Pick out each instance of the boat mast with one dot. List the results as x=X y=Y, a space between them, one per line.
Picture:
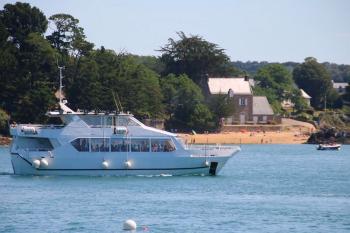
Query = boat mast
x=61 y=86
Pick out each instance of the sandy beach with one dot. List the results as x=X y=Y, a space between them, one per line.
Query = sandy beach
x=293 y=132
x=247 y=138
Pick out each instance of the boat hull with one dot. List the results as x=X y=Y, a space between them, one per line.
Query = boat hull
x=328 y=147
x=186 y=166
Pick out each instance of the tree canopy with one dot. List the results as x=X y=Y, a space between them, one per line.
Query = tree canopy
x=27 y=63
x=315 y=80
x=20 y=19
x=195 y=57
x=184 y=103
x=276 y=83
x=169 y=87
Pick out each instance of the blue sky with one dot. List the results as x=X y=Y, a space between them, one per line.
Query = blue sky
x=255 y=30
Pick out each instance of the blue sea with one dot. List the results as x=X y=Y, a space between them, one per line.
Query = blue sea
x=264 y=188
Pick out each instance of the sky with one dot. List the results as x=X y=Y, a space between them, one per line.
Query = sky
x=248 y=30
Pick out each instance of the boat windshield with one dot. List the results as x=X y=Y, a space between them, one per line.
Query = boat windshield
x=108 y=121
x=181 y=141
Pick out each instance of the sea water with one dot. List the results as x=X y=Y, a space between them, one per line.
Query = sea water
x=264 y=188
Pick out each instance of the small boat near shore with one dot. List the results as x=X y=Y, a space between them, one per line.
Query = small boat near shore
x=329 y=146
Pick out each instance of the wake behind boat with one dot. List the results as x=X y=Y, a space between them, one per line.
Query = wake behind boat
x=108 y=144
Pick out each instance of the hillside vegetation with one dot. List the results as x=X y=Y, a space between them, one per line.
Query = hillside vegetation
x=170 y=87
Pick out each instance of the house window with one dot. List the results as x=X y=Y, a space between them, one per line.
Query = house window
x=243 y=101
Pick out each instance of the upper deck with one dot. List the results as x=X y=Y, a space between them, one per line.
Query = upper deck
x=88 y=124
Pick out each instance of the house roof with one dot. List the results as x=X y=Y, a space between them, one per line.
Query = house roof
x=223 y=85
x=340 y=85
x=261 y=106
x=304 y=94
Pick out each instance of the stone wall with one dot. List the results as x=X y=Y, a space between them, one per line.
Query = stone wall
x=251 y=128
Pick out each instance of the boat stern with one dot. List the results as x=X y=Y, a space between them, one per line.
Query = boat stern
x=215 y=156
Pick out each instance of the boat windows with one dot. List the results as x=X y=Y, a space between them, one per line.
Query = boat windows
x=162 y=145
x=99 y=144
x=125 y=121
x=81 y=144
x=121 y=130
x=98 y=121
x=119 y=145
x=139 y=145
x=34 y=144
x=123 y=145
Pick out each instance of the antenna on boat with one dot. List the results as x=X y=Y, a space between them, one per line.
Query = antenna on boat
x=115 y=101
x=120 y=104
x=61 y=86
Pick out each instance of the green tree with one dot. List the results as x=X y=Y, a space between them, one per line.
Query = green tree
x=68 y=37
x=346 y=96
x=4 y=117
x=185 y=104
x=315 y=80
x=201 y=118
x=8 y=68
x=104 y=75
x=83 y=89
x=20 y=19
x=35 y=80
x=27 y=63
x=221 y=106
x=275 y=76
x=195 y=57
x=275 y=82
x=151 y=62
x=70 y=40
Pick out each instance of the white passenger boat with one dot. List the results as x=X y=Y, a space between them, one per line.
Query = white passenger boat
x=108 y=144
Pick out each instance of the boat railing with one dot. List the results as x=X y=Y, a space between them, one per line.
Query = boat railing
x=208 y=147
x=37 y=126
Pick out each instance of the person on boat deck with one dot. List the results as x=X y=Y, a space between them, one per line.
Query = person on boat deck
x=144 y=146
x=124 y=146
x=166 y=148
x=84 y=144
x=95 y=147
x=154 y=147
x=160 y=147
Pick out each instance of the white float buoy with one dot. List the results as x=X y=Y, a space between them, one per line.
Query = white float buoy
x=206 y=163
x=36 y=163
x=129 y=225
x=45 y=162
x=127 y=164
x=105 y=164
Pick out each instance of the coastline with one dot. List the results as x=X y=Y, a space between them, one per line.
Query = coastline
x=247 y=138
x=291 y=132
x=5 y=141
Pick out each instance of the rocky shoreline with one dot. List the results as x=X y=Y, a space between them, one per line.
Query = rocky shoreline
x=327 y=135
x=5 y=141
